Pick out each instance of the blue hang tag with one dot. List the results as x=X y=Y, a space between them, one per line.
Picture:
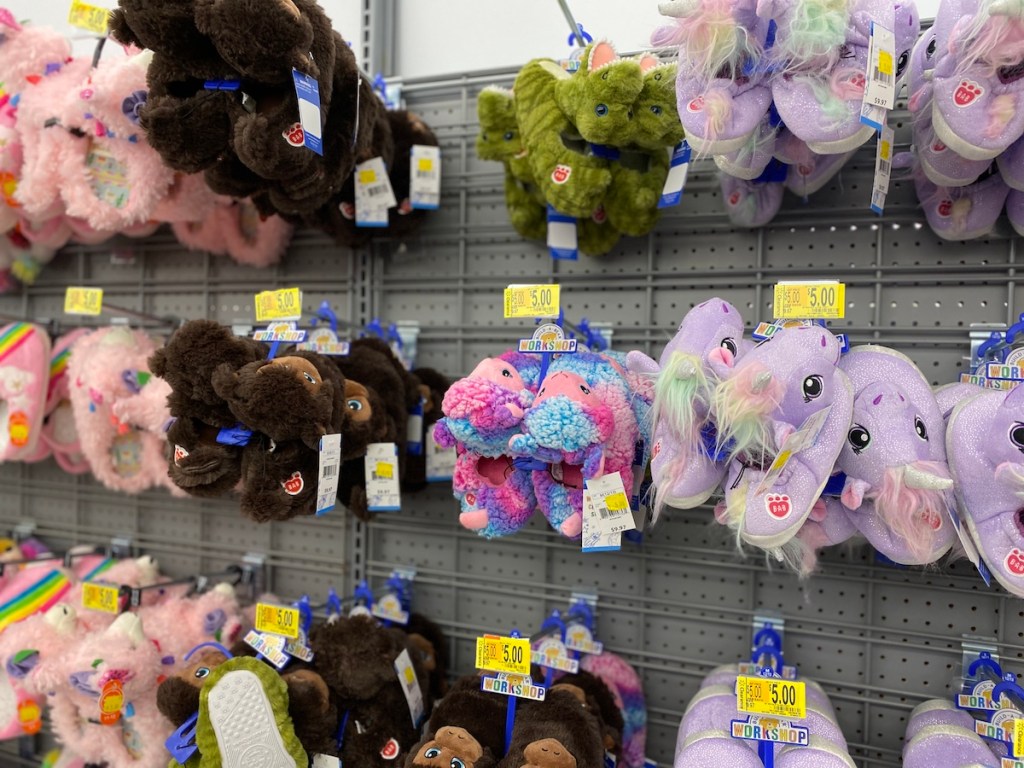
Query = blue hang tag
x=236 y=435
x=562 y=242
x=307 y=90
x=675 y=182
x=414 y=435
x=182 y=743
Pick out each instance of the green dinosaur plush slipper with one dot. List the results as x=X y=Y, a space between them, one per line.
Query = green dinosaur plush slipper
x=244 y=720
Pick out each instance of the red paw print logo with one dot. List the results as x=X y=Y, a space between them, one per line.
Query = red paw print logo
x=561 y=174
x=600 y=217
x=390 y=750
x=857 y=80
x=405 y=208
x=938 y=146
x=734 y=198
x=945 y=208
x=1015 y=562
x=966 y=93
x=656 y=450
x=778 y=505
x=295 y=135
x=179 y=454
x=696 y=105
x=293 y=485
x=805 y=170
x=347 y=210
x=932 y=519
x=471 y=499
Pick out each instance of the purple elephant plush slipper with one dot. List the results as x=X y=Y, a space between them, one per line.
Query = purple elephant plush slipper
x=714 y=749
x=751 y=204
x=947 y=745
x=1015 y=210
x=962 y=213
x=936 y=712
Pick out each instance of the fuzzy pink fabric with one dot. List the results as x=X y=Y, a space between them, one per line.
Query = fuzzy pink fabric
x=180 y=625
x=233 y=228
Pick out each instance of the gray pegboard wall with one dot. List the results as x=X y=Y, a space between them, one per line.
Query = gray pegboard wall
x=881 y=639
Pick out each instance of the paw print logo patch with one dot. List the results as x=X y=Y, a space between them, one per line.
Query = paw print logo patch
x=561 y=174
x=967 y=93
x=778 y=505
x=294 y=135
x=695 y=105
x=1014 y=562
x=945 y=208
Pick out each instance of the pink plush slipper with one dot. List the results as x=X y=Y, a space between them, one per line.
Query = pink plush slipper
x=234 y=228
x=59 y=432
x=106 y=366
x=24 y=377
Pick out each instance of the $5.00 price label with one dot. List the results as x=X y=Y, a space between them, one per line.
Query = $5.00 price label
x=101 y=597
x=83 y=301
x=88 y=17
x=768 y=696
x=503 y=654
x=532 y=301
x=799 y=301
x=277 y=620
x=285 y=304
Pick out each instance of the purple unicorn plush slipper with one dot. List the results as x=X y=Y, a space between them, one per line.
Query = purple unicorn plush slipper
x=750 y=160
x=708 y=340
x=962 y=213
x=1011 y=165
x=819 y=753
x=936 y=712
x=751 y=204
x=985 y=447
x=721 y=116
x=1015 y=210
x=949 y=745
x=897 y=478
x=713 y=749
x=978 y=79
x=788 y=386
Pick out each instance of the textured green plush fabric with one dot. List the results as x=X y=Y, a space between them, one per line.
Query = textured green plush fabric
x=572 y=181
x=639 y=177
x=499 y=139
x=595 y=235
x=276 y=691
x=599 y=97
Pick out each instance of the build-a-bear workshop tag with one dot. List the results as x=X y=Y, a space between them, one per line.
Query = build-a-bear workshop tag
x=578 y=637
x=284 y=304
x=91 y=18
x=324 y=341
x=523 y=301
x=771 y=696
x=327 y=478
x=271 y=647
x=381 y=468
x=425 y=186
x=83 y=301
x=548 y=338
x=760 y=728
x=810 y=300
x=503 y=654
x=281 y=330
x=101 y=597
x=550 y=653
x=520 y=686
x=307 y=92
x=277 y=620
x=389 y=608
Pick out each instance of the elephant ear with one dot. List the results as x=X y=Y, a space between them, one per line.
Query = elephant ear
x=853 y=493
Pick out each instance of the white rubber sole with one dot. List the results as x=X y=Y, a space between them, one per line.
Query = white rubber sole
x=245 y=725
x=941 y=180
x=958 y=145
x=842 y=146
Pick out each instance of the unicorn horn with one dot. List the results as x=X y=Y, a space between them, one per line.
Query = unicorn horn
x=761 y=382
x=1012 y=8
x=678 y=8
x=925 y=481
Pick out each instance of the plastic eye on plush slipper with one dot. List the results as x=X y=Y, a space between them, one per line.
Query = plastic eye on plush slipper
x=24 y=378
x=105 y=367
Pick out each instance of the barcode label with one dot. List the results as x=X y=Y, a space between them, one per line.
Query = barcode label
x=425 y=189
x=374 y=195
x=327 y=481
x=882 y=77
x=424 y=174
x=330 y=471
x=884 y=166
x=374 y=191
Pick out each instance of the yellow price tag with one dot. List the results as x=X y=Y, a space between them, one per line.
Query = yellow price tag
x=532 y=301
x=83 y=301
x=885 y=150
x=89 y=17
x=101 y=597
x=426 y=164
x=503 y=654
x=825 y=301
x=1018 y=737
x=367 y=176
x=771 y=696
x=616 y=502
x=385 y=470
x=885 y=62
x=285 y=304
x=277 y=620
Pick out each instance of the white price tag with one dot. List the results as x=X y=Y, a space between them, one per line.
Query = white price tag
x=606 y=513
x=562 y=236
x=327 y=478
x=881 y=74
x=797 y=441
x=440 y=461
x=414 y=430
x=675 y=182
x=883 y=169
x=374 y=195
x=410 y=687
x=382 y=491
x=425 y=178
